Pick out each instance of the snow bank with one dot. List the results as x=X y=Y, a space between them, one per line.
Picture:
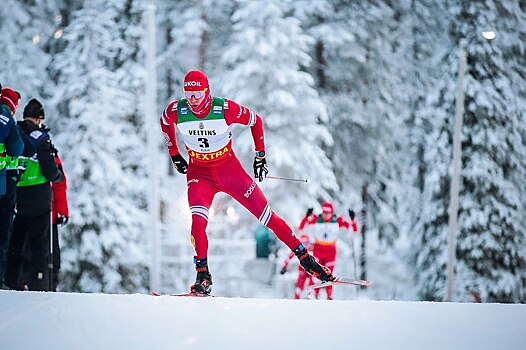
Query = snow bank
x=33 y=320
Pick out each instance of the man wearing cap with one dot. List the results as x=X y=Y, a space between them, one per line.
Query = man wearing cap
x=324 y=229
x=34 y=196
x=205 y=123
x=11 y=146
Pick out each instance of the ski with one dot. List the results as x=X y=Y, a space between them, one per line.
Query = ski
x=342 y=280
x=196 y=295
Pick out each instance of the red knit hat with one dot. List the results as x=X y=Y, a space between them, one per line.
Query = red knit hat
x=10 y=98
x=197 y=81
x=327 y=207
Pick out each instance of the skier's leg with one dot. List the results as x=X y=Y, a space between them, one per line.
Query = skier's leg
x=326 y=255
x=200 y=196
x=311 y=282
x=241 y=187
x=330 y=262
x=300 y=283
x=235 y=181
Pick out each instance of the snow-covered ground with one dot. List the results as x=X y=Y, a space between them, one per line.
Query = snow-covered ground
x=36 y=320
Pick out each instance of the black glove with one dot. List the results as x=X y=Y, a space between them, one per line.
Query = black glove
x=283 y=270
x=260 y=167
x=309 y=212
x=180 y=163
x=59 y=178
x=62 y=220
x=351 y=214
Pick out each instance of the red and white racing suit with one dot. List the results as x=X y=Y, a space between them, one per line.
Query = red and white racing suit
x=213 y=167
x=325 y=234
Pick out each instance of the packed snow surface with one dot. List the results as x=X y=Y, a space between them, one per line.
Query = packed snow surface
x=37 y=320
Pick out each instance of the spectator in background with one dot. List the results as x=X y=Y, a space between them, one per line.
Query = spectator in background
x=59 y=216
x=11 y=146
x=34 y=195
x=265 y=242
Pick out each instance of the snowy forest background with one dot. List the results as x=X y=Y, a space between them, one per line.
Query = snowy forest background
x=357 y=96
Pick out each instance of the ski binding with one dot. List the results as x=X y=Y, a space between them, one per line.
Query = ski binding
x=342 y=280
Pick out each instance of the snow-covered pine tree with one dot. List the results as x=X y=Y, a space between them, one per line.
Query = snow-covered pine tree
x=98 y=96
x=180 y=26
x=189 y=36
x=26 y=27
x=357 y=75
x=264 y=71
x=490 y=237
x=429 y=22
x=360 y=89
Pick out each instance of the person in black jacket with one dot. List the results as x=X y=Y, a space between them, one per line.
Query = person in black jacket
x=34 y=195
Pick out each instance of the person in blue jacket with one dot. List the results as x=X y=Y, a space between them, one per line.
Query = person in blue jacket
x=11 y=146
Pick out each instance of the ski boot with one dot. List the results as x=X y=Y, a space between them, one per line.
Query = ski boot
x=203 y=281
x=311 y=266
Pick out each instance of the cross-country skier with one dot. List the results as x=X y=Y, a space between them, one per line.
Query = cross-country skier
x=303 y=277
x=205 y=123
x=324 y=229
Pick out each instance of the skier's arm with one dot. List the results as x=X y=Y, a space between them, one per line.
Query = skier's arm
x=168 y=123
x=235 y=113
x=285 y=265
x=308 y=220
x=354 y=224
x=342 y=223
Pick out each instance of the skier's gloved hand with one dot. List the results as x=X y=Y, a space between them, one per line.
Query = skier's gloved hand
x=180 y=163
x=59 y=178
x=354 y=225
x=62 y=220
x=284 y=268
x=309 y=212
x=260 y=166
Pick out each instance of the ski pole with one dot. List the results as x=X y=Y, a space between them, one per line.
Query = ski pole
x=50 y=264
x=286 y=178
x=352 y=215
x=353 y=256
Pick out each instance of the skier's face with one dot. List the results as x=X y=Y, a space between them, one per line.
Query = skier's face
x=36 y=121
x=326 y=215
x=195 y=97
